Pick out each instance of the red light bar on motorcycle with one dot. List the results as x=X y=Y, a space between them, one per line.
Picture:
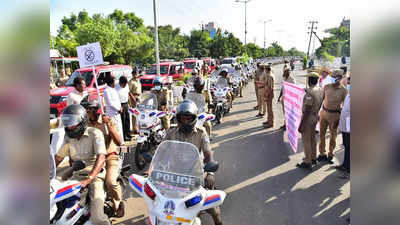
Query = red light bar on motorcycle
x=149 y=192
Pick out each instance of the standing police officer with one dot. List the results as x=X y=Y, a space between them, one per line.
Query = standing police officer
x=311 y=104
x=135 y=89
x=257 y=75
x=268 y=79
x=334 y=95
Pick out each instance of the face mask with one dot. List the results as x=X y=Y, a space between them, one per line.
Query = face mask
x=348 y=87
x=158 y=88
x=186 y=128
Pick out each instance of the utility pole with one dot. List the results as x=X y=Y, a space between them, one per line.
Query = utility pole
x=311 y=33
x=245 y=18
x=264 y=21
x=156 y=39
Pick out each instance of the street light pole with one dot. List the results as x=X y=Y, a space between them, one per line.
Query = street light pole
x=245 y=19
x=156 y=39
x=264 y=21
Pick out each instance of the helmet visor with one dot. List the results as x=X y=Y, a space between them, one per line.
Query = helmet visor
x=70 y=119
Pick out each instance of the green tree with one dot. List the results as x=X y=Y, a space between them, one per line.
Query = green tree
x=102 y=31
x=83 y=17
x=172 y=45
x=70 y=22
x=219 y=45
x=337 y=44
x=253 y=50
x=277 y=49
x=199 y=43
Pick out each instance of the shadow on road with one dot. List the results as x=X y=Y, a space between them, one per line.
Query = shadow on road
x=130 y=222
x=278 y=201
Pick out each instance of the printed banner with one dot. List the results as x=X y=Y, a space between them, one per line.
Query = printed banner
x=293 y=97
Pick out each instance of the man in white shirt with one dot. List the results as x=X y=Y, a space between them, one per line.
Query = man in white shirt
x=113 y=103
x=123 y=92
x=79 y=93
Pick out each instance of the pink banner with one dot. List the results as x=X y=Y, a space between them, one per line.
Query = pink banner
x=293 y=98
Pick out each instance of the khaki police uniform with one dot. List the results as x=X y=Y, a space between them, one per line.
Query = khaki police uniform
x=200 y=139
x=262 y=104
x=87 y=148
x=257 y=75
x=229 y=96
x=330 y=115
x=112 y=163
x=135 y=88
x=267 y=94
x=208 y=98
x=205 y=69
x=313 y=101
x=162 y=100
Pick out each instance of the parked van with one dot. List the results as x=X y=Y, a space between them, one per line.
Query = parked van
x=59 y=95
x=167 y=69
x=191 y=63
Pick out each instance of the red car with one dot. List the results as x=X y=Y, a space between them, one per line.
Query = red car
x=167 y=69
x=59 y=95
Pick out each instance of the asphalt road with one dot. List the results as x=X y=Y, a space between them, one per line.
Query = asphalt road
x=258 y=173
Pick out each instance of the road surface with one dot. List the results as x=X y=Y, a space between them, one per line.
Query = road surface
x=258 y=172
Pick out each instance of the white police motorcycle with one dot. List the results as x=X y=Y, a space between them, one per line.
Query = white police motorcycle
x=174 y=190
x=69 y=204
x=151 y=132
x=221 y=104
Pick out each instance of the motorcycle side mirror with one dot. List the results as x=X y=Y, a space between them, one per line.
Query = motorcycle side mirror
x=147 y=157
x=78 y=165
x=211 y=166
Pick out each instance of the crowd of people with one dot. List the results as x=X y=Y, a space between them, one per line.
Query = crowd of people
x=326 y=104
x=94 y=136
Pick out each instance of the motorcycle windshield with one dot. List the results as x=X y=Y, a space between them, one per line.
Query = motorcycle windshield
x=199 y=100
x=221 y=83
x=148 y=102
x=176 y=169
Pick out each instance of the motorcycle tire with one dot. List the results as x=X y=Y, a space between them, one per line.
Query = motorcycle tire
x=218 y=115
x=140 y=162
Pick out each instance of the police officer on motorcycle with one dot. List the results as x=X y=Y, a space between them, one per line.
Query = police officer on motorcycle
x=239 y=70
x=86 y=144
x=225 y=79
x=198 y=85
x=186 y=131
x=162 y=99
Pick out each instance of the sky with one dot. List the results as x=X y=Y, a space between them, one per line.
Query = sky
x=288 y=26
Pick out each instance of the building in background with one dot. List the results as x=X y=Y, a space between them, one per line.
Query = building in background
x=211 y=28
x=345 y=23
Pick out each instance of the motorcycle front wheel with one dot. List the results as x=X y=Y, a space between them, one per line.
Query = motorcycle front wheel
x=218 y=115
x=140 y=162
